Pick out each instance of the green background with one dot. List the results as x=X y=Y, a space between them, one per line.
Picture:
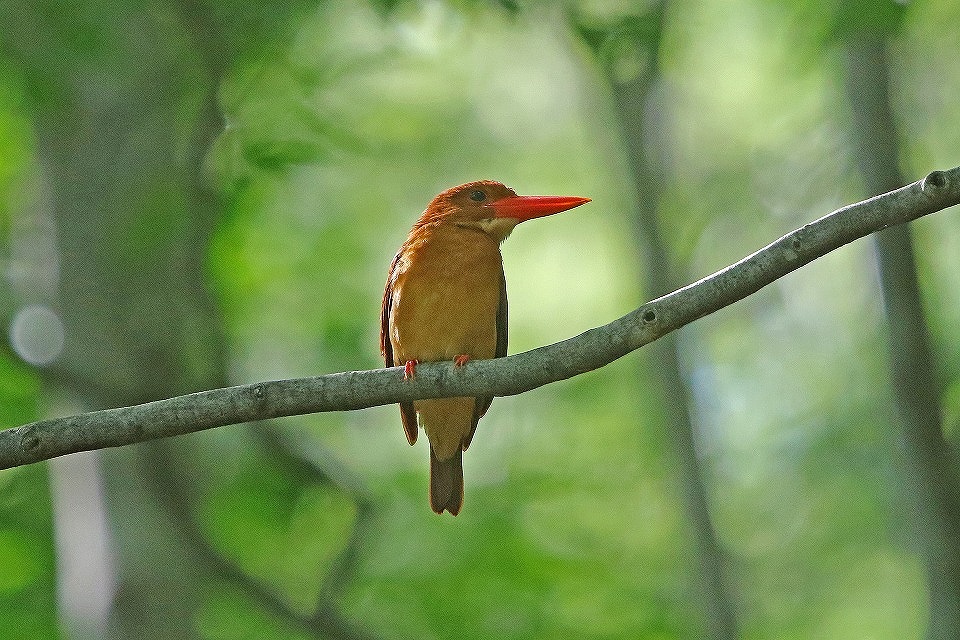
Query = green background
x=210 y=193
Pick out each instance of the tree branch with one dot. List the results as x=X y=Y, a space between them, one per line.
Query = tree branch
x=500 y=377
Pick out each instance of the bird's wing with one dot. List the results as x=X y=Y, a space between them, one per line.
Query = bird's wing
x=502 y=319
x=385 y=347
x=484 y=403
x=407 y=413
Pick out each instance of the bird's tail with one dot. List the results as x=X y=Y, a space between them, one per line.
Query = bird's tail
x=446 y=482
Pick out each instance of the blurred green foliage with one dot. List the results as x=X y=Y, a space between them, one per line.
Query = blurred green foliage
x=340 y=122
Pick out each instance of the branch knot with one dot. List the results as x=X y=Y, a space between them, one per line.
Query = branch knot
x=934 y=181
x=29 y=440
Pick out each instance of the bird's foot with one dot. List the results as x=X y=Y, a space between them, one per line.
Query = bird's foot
x=410 y=369
x=461 y=360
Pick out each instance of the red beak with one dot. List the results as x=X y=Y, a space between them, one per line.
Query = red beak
x=528 y=207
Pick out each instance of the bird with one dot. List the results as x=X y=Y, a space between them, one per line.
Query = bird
x=446 y=300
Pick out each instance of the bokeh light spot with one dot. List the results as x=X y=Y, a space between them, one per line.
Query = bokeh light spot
x=36 y=334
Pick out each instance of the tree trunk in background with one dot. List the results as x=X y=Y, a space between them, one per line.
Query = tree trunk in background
x=916 y=389
x=123 y=177
x=132 y=230
x=661 y=275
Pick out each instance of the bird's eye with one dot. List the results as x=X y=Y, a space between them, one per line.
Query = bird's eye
x=478 y=196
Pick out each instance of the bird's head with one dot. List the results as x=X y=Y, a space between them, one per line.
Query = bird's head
x=492 y=208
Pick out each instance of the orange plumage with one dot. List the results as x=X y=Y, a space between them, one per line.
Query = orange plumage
x=446 y=299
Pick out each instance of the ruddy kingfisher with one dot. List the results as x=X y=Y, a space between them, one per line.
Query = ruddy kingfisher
x=446 y=300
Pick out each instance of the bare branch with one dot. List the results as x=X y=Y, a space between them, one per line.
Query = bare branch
x=500 y=377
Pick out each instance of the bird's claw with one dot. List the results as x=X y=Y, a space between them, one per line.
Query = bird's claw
x=410 y=369
x=461 y=360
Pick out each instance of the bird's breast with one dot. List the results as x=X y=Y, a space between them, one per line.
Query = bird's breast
x=446 y=293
